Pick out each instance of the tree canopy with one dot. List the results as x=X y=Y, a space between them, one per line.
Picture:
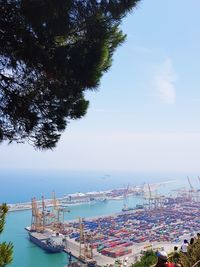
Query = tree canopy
x=6 y=249
x=51 y=52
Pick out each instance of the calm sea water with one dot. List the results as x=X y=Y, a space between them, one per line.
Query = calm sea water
x=21 y=186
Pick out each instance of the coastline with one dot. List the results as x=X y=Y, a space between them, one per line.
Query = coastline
x=15 y=232
x=76 y=199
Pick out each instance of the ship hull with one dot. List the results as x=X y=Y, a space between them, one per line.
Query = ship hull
x=44 y=245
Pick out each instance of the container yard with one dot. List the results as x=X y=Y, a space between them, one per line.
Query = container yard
x=163 y=222
x=124 y=234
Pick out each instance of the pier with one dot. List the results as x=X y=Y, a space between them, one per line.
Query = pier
x=125 y=235
x=81 y=198
x=128 y=234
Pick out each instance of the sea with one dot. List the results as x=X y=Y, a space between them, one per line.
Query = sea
x=21 y=186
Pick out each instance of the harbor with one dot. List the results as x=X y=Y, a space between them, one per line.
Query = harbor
x=79 y=198
x=161 y=223
x=128 y=234
x=99 y=133
x=83 y=198
x=33 y=255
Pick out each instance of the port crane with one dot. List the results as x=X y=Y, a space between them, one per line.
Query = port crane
x=81 y=241
x=149 y=197
x=42 y=218
x=37 y=221
x=155 y=201
x=182 y=193
x=199 y=181
x=193 y=193
x=58 y=210
x=126 y=190
x=85 y=246
x=191 y=186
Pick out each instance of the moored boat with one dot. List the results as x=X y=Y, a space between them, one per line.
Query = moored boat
x=52 y=243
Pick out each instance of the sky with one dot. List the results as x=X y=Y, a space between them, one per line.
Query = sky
x=145 y=115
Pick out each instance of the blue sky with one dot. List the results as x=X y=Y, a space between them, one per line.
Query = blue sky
x=145 y=115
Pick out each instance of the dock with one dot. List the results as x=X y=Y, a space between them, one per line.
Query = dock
x=123 y=236
x=74 y=248
x=82 y=198
x=128 y=234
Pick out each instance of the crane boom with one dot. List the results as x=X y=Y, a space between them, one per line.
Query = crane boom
x=126 y=191
x=191 y=186
x=150 y=194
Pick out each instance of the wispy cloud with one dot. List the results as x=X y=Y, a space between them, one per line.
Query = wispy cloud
x=164 y=82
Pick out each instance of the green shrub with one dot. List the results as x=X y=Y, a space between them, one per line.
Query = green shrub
x=148 y=259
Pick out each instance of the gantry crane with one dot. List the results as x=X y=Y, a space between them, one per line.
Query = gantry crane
x=82 y=239
x=193 y=193
x=126 y=190
x=182 y=194
x=85 y=242
x=40 y=217
x=88 y=245
x=43 y=213
x=150 y=197
x=37 y=222
x=191 y=186
x=199 y=181
x=155 y=201
x=59 y=211
x=48 y=217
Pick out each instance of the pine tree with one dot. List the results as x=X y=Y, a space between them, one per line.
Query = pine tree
x=6 y=249
x=51 y=52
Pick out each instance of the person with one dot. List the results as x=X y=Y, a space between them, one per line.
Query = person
x=163 y=260
x=184 y=246
x=176 y=256
x=191 y=241
x=197 y=238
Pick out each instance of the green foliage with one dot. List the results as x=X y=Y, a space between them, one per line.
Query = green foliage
x=6 y=249
x=148 y=259
x=3 y=211
x=48 y=60
x=193 y=255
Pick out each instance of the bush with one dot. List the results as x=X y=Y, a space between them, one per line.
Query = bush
x=148 y=259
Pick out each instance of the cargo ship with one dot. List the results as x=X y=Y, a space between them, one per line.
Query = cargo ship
x=52 y=243
x=47 y=238
x=125 y=208
x=137 y=207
